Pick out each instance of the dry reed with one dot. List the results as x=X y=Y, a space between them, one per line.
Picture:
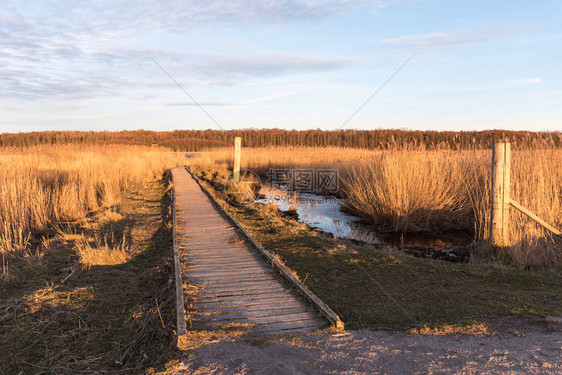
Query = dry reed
x=421 y=190
x=42 y=187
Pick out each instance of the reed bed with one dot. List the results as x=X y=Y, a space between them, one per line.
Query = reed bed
x=419 y=190
x=46 y=186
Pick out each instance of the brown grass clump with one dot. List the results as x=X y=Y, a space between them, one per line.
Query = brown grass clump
x=414 y=190
x=58 y=296
x=103 y=252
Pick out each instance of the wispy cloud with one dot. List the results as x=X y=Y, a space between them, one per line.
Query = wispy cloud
x=276 y=96
x=445 y=39
x=269 y=64
x=204 y=104
x=494 y=85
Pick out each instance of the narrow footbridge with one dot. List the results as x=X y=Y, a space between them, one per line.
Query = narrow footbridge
x=239 y=286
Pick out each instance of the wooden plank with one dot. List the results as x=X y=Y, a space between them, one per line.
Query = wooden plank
x=241 y=294
x=203 y=260
x=231 y=277
x=216 y=258
x=234 y=292
x=531 y=215
x=249 y=277
x=247 y=298
x=195 y=266
x=181 y=341
x=217 y=253
x=228 y=284
x=261 y=308
x=245 y=314
x=221 y=290
x=222 y=270
x=214 y=249
x=257 y=301
x=317 y=302
x=194 y=261
x=286 y=318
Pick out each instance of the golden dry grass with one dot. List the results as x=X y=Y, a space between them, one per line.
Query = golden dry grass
x=433 y=190
x=449 y=329
x=102 y=251
x=42 y=187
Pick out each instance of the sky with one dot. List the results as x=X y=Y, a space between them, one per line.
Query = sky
x=294 y=64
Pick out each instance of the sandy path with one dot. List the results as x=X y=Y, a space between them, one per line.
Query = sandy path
x=376 y=352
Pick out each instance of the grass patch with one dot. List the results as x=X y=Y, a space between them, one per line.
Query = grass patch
x=98 y=297
x=382 y=288
x=103 y=252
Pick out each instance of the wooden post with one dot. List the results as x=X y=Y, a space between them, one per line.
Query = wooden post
x=236 y=169
x=506 y=199
x=501 y=170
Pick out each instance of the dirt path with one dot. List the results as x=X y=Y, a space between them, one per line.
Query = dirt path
x=377 y=352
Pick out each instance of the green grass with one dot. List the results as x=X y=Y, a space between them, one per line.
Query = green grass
x=60 y=317
x=377 y=288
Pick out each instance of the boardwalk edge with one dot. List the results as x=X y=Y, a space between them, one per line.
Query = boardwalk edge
x=324 y=309
x=180 y=303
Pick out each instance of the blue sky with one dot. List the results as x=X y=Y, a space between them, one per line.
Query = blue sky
x=296 y=64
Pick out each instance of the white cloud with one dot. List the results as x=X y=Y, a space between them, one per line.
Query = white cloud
x=442 y=39
x=269 y=64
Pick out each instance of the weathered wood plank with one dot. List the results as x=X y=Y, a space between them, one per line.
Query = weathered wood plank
x=212 y=285
x=180 y=303
x=285 y=318
x=245 y=314
x=257 y=301
x=215 y=297
x=218 y=291
x=531 y=215
x=262 y=307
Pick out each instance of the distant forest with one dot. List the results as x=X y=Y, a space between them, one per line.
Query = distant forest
x=200 y=140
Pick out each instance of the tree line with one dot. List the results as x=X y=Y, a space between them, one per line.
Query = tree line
x=200 y=140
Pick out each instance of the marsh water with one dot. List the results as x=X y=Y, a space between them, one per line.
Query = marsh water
x=325 y=214
x=322 y=213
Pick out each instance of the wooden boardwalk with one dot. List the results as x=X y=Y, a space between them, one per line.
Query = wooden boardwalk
x=238 y=288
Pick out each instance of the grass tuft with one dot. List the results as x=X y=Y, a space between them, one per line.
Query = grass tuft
x=102 y=252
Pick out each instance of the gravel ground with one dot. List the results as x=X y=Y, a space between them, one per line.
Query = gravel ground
x=537 y=351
